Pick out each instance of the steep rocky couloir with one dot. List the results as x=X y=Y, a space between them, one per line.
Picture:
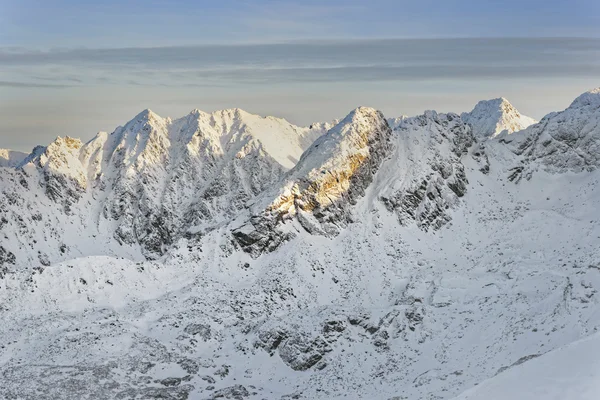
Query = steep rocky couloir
x=426 y=174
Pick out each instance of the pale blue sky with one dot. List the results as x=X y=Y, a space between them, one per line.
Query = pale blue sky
x=75 y=67
x=114 y=23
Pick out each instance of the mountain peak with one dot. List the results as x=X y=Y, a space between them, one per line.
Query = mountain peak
x=564 y=140
x=361 y=112
x=10 y=158
x=357 y=118
x=146 y=113
x=492 y=117
x=329 y=177
x=67 y=141
x=410 y=249
x=589 y=98
x=144 y=116
x=493 y=103
x=232 y=112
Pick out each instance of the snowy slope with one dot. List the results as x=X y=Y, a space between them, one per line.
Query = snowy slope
x=570 y=372
x=401 y=262
x=491 y=118
x=562 y=141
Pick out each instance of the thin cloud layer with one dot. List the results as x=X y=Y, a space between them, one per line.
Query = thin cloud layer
x=80 y=91
x=342 y=61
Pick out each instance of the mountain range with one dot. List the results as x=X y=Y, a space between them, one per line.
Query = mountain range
x=228 y=255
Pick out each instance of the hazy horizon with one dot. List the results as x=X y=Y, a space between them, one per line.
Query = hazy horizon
x=73 y=68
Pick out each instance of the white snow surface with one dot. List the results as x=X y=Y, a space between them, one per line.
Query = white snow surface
x=568 y=139
x=570 y=372
x=491 y=118
x=120 y=276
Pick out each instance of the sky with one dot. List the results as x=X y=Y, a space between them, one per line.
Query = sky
x=77 y=67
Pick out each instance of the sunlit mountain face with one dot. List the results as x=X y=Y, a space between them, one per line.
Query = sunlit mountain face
x=371 y=256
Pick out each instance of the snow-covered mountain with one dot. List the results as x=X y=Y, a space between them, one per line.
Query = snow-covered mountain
x=319 y=191
x=565 y=140
x=10 y=158
x=151 y=181
x=228 y=255
x=491 y=118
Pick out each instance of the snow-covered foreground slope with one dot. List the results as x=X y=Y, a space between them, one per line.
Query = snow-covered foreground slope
x=571 y=372
x=409 y=264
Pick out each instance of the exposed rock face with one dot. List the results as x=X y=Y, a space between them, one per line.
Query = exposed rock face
x=196 y=171
x=298 y=348
x=63 y=174
x=155 y=180
x=561 y=141
x=319 y=191
x=235 y=392
x=6 y=257
x=425 y=176
x=421 y=178
x=491 y=118
x=357 y=305
x=301 y=352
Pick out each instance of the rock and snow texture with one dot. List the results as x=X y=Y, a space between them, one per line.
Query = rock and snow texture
x=321 y=189
x=187 y=259
x=425 y=177
x=491 y=118
x=153 y=180
x=562 y=141
x=415 y=171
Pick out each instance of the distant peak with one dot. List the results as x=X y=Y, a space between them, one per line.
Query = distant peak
x=38 y=149
x=364 y=110
x=231 y=111
x=355 y=121
x=197 y=114
x=394 y=122
x=11 y=158
x=361 y=112
x=68 y=142
x=489 y=118
x=496 y=103
x=589 y=98
x=147 y=115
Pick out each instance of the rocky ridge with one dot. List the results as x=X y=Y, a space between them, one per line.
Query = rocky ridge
x=402 y=261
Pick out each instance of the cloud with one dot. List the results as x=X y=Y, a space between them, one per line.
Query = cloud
x=394 y=73
x=304 y=62
x=8 y=84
